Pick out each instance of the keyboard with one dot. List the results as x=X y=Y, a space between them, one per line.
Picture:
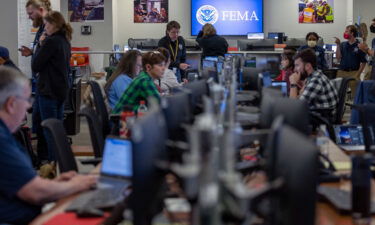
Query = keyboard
x=340 y=199
x=99 y=198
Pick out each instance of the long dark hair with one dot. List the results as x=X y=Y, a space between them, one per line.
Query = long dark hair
x=125 y=66
x=56 y=18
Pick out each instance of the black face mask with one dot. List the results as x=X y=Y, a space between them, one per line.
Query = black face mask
x=372 y=29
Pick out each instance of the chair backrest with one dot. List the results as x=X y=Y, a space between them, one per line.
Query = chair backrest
x=96 y=130
x=367 y=119
x=100 y=107
x=61 y=146
x=341 y=91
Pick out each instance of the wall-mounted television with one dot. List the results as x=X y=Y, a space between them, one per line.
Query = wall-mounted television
x=230 y=17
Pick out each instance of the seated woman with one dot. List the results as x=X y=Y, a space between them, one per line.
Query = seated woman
x=169 y=79
x=143 y=87
x=312 y=41
x=211 y=43
x=129 y=66
x=287 y=67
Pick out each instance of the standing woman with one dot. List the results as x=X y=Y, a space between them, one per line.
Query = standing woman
x=312 y=43
x=211 y=43
x=51 y=62
x=176 y=46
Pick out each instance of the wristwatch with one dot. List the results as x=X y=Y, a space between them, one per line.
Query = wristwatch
x=293 y=85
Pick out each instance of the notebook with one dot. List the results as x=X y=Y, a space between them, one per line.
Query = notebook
x=349 y=137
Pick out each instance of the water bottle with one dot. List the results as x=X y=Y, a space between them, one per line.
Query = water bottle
x=361 y=190
x=142 y=109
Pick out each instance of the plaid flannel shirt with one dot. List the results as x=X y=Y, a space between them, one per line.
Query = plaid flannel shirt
x=139 y=89
x=319 y=92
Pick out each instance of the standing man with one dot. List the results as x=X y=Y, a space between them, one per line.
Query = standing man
x=22 y=191
x=176 y=46
x=352 y=59
x=37 y=9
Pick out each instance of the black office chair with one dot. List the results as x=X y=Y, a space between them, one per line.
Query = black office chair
x=367 y=119
x=100 y=107
x=61 y=146
x=96 y=130
x=342 y=92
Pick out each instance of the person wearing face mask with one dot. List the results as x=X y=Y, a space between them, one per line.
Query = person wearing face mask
x=364 y=47
x=318 y=90
x=312 y=41
x=352 y=59
x=176 y=46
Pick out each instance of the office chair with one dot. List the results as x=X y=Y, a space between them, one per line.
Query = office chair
x=100 y=107
x=61 y=146
x=96 y=130
x=342 y=91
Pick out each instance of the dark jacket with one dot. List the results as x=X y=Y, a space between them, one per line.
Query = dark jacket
x=212 y=45
x=167 y=43
x=51 y=62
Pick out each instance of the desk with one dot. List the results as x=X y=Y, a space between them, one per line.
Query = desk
x=326 y=214
x=60 y=205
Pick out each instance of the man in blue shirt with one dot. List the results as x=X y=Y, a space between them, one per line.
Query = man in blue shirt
x=22 y=192
x=352 y=59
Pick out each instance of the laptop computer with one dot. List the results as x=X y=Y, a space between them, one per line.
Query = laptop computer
x=349 y=137
x=115 y=177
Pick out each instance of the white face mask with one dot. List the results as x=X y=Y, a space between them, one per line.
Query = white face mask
x=311 y=44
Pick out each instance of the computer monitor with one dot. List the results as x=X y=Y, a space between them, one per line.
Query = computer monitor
x=208 y=64
x=149 y=134
x=197 y=90
x=250 y=79
x=290 y=109
x=275 y=35
x=177 y=111
x=296 y=161
x=255 y=36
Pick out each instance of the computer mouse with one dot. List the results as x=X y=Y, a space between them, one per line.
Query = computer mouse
x=89 y=212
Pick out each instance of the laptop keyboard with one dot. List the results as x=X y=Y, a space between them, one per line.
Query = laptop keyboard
x=99 y=198
x=340 y=199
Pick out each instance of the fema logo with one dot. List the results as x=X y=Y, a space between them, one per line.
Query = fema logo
x=207 y=14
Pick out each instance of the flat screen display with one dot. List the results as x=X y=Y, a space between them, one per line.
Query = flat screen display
x=234 y=17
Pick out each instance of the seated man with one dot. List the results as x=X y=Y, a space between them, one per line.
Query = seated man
x=22 y=191
x=143 y=85
x=4 y=58
x=318 y=90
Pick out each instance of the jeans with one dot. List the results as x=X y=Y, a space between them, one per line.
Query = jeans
x=44 y=108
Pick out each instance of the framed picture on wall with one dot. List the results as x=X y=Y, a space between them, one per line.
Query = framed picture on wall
x=86 y=10
x=150 y=11
x=315 y=11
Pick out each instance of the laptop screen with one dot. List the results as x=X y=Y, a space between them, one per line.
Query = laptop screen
x=349 y=135
x=117 y=157
x=267 y=81
x=282 y=85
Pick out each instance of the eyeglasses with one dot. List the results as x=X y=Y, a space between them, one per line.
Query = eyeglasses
x=29 y=100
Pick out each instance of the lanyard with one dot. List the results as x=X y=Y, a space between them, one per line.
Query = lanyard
x=174 y=53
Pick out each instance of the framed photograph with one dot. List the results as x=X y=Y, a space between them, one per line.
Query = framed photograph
x=86 y=10
x=150 y=11
x=315 y=11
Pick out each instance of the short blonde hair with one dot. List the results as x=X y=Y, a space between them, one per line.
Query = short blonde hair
x=208 y=29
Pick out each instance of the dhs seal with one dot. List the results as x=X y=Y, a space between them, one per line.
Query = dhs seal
x=207 y=14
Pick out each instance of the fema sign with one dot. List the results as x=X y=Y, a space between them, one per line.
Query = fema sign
x=235 y=17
